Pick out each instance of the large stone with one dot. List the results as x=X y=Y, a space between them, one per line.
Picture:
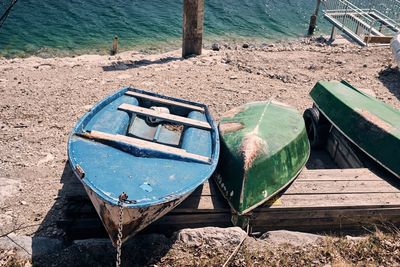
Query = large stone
x=27 y=248
x=291 y=237
x=213 y=236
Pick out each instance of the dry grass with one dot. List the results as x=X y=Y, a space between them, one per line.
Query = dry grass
x=375 y=249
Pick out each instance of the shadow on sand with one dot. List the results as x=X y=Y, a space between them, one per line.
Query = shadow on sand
x=124 y=65
x=143 y=250
x=390 y=77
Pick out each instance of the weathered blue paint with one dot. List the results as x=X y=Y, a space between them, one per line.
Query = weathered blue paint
x=148 y=178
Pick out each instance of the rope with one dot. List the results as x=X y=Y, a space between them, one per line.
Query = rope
x=237 y=248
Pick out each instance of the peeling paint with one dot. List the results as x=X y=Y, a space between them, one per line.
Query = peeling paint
x=252 y=146
x=232 y=113
x=372 y=118
x=230 y=127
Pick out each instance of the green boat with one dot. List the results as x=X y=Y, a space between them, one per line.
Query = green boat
x=368 y=123
x=264 y=146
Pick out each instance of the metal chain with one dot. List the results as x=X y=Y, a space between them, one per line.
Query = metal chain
x=122 y=198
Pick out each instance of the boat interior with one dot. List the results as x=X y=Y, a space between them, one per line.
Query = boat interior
x=151 y=122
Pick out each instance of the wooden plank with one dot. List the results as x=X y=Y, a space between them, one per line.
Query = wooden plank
x=164 y=116
x=192 y=24
x=378 y=39
x=142 y=144
x=341 y=202
x=164 y=101
x=341 y=187
x=296 y=202
x=360 y=174
x=337 y=200
x=338 y=212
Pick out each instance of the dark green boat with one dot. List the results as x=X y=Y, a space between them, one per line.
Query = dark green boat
x=264 y=146
x=370 y=124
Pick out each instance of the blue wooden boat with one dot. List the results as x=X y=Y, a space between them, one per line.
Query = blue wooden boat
x=142 y=151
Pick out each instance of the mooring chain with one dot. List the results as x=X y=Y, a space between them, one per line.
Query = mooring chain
x=121 y=200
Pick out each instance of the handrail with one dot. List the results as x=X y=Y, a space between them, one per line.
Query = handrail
x=363 y=19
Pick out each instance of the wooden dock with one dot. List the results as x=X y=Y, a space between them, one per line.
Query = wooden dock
x=318 y=201
x=351 y=199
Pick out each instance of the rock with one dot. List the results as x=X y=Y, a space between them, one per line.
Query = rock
x=27 y=247
x=49 y=157
x=215 y=47
x=233 y=77
x=87 y=107
x=312 y=67
x=245 y=45
x=212 y=236
x=23 y=202
x=8 y=187
x=291 y=237
x=321 y=40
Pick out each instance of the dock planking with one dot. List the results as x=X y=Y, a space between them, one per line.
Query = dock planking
x=321 y=200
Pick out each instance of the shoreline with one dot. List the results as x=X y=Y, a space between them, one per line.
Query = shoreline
x=159 y=47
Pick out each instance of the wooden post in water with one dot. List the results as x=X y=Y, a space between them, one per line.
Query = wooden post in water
x=193 y=16
x=114 y=48
x=313 y=19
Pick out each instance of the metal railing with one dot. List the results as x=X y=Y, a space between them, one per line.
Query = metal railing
x=362 y=20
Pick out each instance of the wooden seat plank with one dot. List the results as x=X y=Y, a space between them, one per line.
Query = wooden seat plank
x=164 y=101
x=97 y=135
x=164 y=116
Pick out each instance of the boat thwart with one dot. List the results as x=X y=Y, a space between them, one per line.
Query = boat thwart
x=143 y=152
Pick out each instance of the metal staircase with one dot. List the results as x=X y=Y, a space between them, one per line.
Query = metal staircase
x=365 y=22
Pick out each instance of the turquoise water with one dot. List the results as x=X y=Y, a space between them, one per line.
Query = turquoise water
x=50 y=27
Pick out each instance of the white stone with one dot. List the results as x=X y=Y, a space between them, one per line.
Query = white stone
x=212 y=236
x=291 y=237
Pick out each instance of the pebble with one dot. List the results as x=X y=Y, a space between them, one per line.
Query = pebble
x=215 y=47
x=23 y=203
x=49 y=157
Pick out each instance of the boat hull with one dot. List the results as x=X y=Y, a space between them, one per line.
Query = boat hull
x=370 y=124
x=395 y=44
x=134 y=219
x=264 y=146
x=115 y=151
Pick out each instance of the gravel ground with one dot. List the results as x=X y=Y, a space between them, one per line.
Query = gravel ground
x=41 y=100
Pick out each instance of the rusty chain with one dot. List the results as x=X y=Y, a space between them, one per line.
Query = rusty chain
x=121 y=199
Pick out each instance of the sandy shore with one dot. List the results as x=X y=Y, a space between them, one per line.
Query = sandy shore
x=41 y=100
